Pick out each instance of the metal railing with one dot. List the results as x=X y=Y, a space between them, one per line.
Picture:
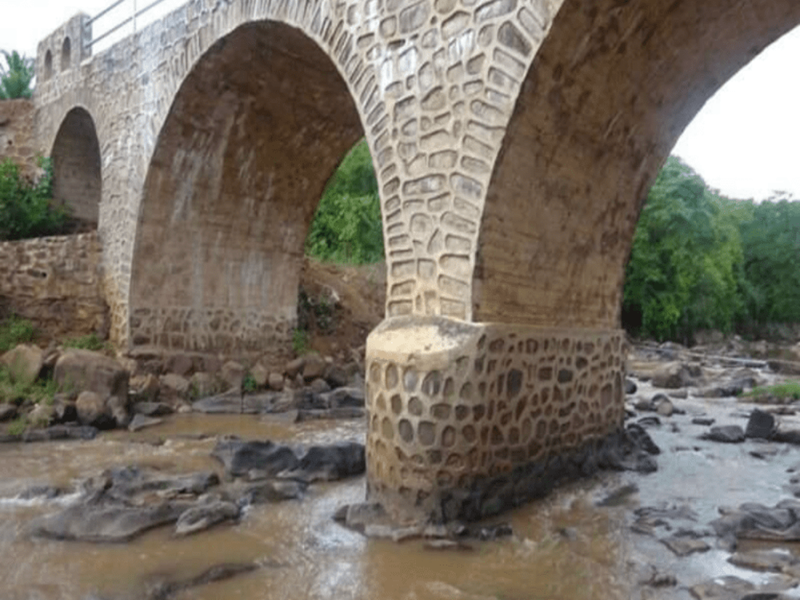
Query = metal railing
x=135 y=13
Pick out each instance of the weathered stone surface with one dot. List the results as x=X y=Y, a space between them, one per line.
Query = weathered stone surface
x=24 y=362
x=314 y=367
x=152 y=409
x=729 y=434
x=145 y=387
x=84 y=370
x=240 y=457
x=260 y=375
x=203 y=384
x=91 y=408
x=140 y=421
x=275 y=381
x=176 y=384
x=233 y=373
x=760 y=425
x=203 y=516
x=672 y=376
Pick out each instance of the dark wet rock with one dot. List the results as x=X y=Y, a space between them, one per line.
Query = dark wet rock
x=152 y=409
x=727 y=587
x=7 y=412
x=332 y=462
x=43 y=492
x=272 y=491
x=684 y=545
x=65 y=411
x=359 y=516
x=240 y=457
x=164 y=590
x=757 y=522
x=703 y=421
x=790 y=436
x=203 y=516
x=675 y=375
x=346 y=412
x=630 y=386
x=761 y=425
x=337 y=377
x=644 y=405
x=123 y=483
x=619 y=496
x=649 y=518
x=727 y=434
x=49 y=434
x=642 y=439
x=319 y=386
x=140 y=422
x=106 y=523
x=765 y=560
x=343 y=397
x=230 y=403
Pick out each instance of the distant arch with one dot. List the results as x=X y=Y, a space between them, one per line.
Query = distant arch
x=66 y=54
x=48 y=65
x=77 y=180
x=239 y=168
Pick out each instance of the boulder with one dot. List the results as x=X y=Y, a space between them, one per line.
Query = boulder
x=140 y=422
x=260 y=375
x=293 y=367
x=630 y=386
x=315 y=366
x=202 y=385
x=272 y=491
x=344 y=397
x=42 y=415
x=203 y=516
x=24 y=363
x=240 y=457
x=319 y=386
x=7 y=412
x=145 y=386
x=760 y=425
x=118 y=409
x=337 y=377
x=65 y=410
x=332 y=462
x=180 y=364
x=674 y=375
x=84 y=370
x=275 y=381
x=152 y=409
x=91 y=408
x=232 y=374
x=728 y=434
x=175 y=384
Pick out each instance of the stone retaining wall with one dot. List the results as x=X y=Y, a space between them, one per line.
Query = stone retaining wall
x=16 y=135
x=55 y=282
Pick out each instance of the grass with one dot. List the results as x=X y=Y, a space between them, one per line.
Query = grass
x=17 y=426
x=15 y=331
x=16 y=391
x=87 y=342
x=787 y=391
x=300 y=341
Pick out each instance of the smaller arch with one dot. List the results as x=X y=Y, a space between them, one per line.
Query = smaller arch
x=48 y=65
x=77 y=177
x=66 y=54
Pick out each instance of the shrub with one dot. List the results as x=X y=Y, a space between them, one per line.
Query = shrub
x=299 y=341
x=25 y=207
x=87 y=342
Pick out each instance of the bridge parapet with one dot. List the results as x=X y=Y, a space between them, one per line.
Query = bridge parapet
x=64 y=49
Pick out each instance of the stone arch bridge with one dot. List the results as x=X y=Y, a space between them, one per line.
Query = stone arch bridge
x=513 y=141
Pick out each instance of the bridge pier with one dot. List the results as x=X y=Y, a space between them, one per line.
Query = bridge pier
x=468 y=419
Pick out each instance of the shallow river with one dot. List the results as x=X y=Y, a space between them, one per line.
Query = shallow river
x=563 y=547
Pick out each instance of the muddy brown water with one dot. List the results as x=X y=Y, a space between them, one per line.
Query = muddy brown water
x=564 y=546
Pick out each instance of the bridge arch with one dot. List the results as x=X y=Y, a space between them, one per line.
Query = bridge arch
x=253 y=134
x=606 y=98
x=77 y=178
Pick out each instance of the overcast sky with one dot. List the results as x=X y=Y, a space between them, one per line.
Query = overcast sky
x=745 y=142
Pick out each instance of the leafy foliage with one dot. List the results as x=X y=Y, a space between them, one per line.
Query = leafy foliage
x=16 y=76
x=25 y=207
x=88 y=342
x=703 y=261
x=347 y=227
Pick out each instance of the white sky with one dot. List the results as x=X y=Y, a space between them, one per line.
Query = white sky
x=745 y=142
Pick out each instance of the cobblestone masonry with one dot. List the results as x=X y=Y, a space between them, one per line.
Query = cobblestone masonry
x=513 y=140
x=56 y=283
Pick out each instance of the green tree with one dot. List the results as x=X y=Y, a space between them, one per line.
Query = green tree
x=16 y=76
x=682 y=273
x=347 y=227
x=25 y=209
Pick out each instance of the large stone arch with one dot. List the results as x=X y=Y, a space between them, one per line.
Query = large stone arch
x=254 y=132
x=77 y=177
x=609 y=92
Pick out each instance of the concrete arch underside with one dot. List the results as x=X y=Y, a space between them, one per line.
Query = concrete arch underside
x=254 y=133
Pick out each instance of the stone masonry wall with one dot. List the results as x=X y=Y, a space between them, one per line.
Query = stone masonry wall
x=16 y=135
x=55 y=282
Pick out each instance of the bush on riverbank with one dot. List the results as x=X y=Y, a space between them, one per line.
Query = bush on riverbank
x=26 y=209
